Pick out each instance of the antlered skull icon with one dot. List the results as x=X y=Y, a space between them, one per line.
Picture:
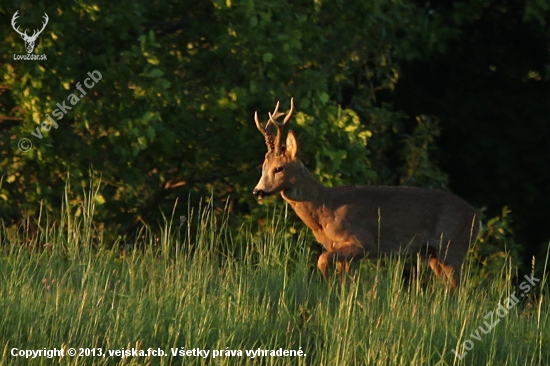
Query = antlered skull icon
x=29 y=40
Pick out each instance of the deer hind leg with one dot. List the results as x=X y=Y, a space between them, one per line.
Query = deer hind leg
x=346 y=269
x=344 y=258
x=324 y=264
x=343 y=267
x=448 y=272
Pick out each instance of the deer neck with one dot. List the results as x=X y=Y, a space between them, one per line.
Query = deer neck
x=307 y=197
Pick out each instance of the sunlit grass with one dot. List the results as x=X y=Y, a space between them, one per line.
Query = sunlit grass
x=203 y=286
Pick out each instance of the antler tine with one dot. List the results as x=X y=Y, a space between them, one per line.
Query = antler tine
x=258 y=123
x=276 y=114
x=290 y=113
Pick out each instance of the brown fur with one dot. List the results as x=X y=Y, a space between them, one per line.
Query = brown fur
x=353 y=222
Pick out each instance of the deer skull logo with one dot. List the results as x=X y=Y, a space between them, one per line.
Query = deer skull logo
x=29 y=40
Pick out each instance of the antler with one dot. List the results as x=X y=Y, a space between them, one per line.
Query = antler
x=44 y=23
x=24 y=34
x=272 y=141
x=268 y=136
x=273 y=117
x=13 y=19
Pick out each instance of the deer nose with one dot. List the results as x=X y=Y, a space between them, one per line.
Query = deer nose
x=258 y=193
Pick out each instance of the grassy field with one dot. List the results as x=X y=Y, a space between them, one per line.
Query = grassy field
x=203 y=288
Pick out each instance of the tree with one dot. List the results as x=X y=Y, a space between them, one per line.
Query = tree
x=177 y=83
x=482 y=68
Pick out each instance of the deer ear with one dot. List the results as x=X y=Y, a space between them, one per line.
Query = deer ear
x=291 y=145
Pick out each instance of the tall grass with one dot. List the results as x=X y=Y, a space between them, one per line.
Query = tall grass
x=201 y=285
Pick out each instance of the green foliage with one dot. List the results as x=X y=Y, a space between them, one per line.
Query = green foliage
x=173 y=111
x=172 y=116
x=483 y=69
x=496 y=248
x=419 y=168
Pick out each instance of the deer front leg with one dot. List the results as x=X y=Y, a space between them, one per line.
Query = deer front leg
x=345 y=257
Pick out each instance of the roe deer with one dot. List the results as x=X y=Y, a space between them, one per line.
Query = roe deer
x=354 y=222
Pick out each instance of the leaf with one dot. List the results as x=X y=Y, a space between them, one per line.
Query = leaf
x=99 y=198
x=155 y=73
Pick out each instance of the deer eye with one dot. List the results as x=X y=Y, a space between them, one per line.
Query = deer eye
x=278 y=169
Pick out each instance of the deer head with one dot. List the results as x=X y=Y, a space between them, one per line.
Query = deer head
x=281 y=162
x=29 y=40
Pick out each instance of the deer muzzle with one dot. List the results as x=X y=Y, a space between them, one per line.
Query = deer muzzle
x=260 y=193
